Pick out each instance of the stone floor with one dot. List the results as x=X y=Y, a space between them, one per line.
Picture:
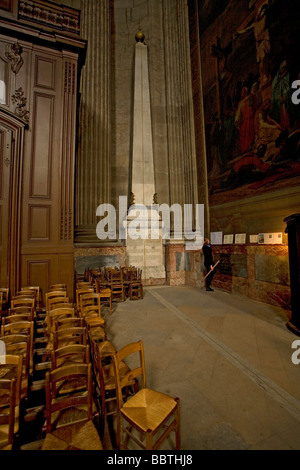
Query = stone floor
x=227 y=358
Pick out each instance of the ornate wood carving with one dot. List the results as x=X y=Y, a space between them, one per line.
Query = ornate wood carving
x=55 y=16
x=20 y=100
x=14 y=56
x=66 y=214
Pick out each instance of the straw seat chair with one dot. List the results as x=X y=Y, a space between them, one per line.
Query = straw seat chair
x=17 y=317
x=57 y=314
x=25 y=292
x=71 y=335
x=22 y=309
x=4 y=305
x=105 y=294
x=135 y=290
x=70 y=355
x=22 y=328
x=147 y=413
x=104 y=381
x=56 y=302
x=11 y=368
x=68 y=322
x=89 y=299
x=19 y=345
x=59 y=286
x=91 y=313
x=52 y=294
x=23 y=301
x=7 y=413
x=69 y=418
x=38 y=293
x=115 y=283
x=82 y=291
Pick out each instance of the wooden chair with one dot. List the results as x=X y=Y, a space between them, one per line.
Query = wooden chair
x=90 y=311
x=7 y=413
x=5 y=297
x=89 y=299
x=67 y=336
x=69 y=418
x=16 y=318
x=57 y=314
x=52 y=294
x=105 y=295
x=115 y=283
x=104 y=381
x=79 y=293
x=21 y=328
x=95 y=331
x=21 y=310
x=135 y=291
x=71 y=354
x=26 y=293
x=55 y=302
x=68 y=355
x=1 y=304
x=151 y=414
x=68 y=322
x=22 y=301
x=19 y=345
x=58 y=287
x=11 y=368
x=38 y=293
x=83 y=284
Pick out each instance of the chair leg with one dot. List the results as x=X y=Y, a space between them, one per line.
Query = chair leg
x=119 y=430
x=177 y=428
x=149 y=440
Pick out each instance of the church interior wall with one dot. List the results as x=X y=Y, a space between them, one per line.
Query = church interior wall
x=253 y=160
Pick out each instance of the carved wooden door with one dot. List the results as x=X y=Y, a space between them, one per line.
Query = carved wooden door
x=6 y=142
x=11 y=157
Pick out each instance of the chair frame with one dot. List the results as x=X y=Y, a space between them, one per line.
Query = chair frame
x=151 y=443
x=9 y=418
x=64 y=373
x=74 y=333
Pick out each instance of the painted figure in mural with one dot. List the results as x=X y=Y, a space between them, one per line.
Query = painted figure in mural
x=267 y=130
x=244 y=118
x=282 y=97
x=247 y=169
x=217 y=140
x=262 y=38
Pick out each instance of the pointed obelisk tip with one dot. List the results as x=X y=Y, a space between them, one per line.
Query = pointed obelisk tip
x=139 y=37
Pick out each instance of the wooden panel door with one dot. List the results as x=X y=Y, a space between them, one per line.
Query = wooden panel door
x=11 y=159
x=6 y=142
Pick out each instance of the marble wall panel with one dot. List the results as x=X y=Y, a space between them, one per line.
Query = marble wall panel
x=274 y=269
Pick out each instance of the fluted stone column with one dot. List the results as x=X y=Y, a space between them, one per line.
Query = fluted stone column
x=179 y=105
x=93 y=161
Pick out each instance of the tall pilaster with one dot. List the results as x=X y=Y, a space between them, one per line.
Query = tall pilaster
x=93 y=161
x=179 y=105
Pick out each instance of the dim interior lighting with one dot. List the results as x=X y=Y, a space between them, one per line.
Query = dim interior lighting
x=2 y=92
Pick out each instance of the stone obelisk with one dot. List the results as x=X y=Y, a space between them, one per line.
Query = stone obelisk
x=145 y=252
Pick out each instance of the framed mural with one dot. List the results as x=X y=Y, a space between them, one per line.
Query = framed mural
x=252 y=125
